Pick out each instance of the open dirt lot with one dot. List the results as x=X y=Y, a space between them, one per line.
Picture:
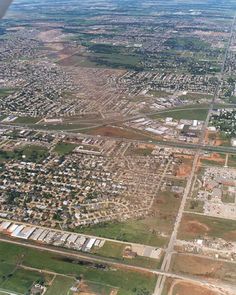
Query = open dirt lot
x=179 y=287
x=200 y=266
x=214 y=158
x=116 y=132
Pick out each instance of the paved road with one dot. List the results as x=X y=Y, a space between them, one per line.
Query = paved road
x=202 y=146
x=167 y=258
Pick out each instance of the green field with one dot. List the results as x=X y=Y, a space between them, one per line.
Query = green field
x=5 y=92
x=64 y=126
x=194 y=205
x=64 y=148
x=192 y=44
x=60 y=285
x=16 y=279
x=130 y=231
x=128 y=282
x=140 y=151
x=26 y=120
x=99 y=288
x=115 y=250
x=232 y=161
x=159 y=93
x=144 y=231
x=21 y=281
x=226 y=140
x=110 y=249
x=196 y=226
x=228 y=198
x=196 y=96
x=106 y=55
x=33 y=153
x=185 y=113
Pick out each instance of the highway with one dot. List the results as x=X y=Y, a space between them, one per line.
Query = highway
x=202 y=146
x=170 y=249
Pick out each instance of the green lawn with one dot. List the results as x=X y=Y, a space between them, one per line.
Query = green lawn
x=196 y=96
x=128 y=282
x=2 y=117
x=189 y=114
x=98 y=288
x=159 y=93
x=226 y=140
x=226 y=198
x=33 y=153
x=232 y=161
x=140 y=151
x=197 y=226
x=194 y=205
x=63 y=126
x=115 y=250
x=16 y=279
x=26 y=120
x=110 y=249
x=135 y=231
x=5 y=92
x=146 y=230
x=64 y=148
x=60 y=286
x=20 y=281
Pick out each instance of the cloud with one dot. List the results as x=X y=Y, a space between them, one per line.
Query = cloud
x=4 y=4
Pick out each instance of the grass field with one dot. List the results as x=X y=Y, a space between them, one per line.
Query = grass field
x=64 y=148
x=21 y=281
x=96 y=288
x=196 y=96
x=110 y=249
x=5 y=92
x=60 y=285
x=194 y=205
x=196 y=226
x=26 y=120
x=115 y=250
x=65 y=126
x=225 y=140
x=232 y=161
x=159 y=93
x=16 y=279
x=128 y=282
x=228 y=198
x=137 y=231
x=188 y=113
x=32 y=153
x=2 y=117
x=140 y=151
x=145 y=231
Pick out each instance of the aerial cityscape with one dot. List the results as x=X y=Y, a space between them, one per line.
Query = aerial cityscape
x=118 y=147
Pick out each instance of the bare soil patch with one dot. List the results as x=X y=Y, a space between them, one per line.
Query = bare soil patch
x=184 y=170
x=184 y=288
x=196 y=227
x=215 y=157
x=204 y=267
x=116 y=132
